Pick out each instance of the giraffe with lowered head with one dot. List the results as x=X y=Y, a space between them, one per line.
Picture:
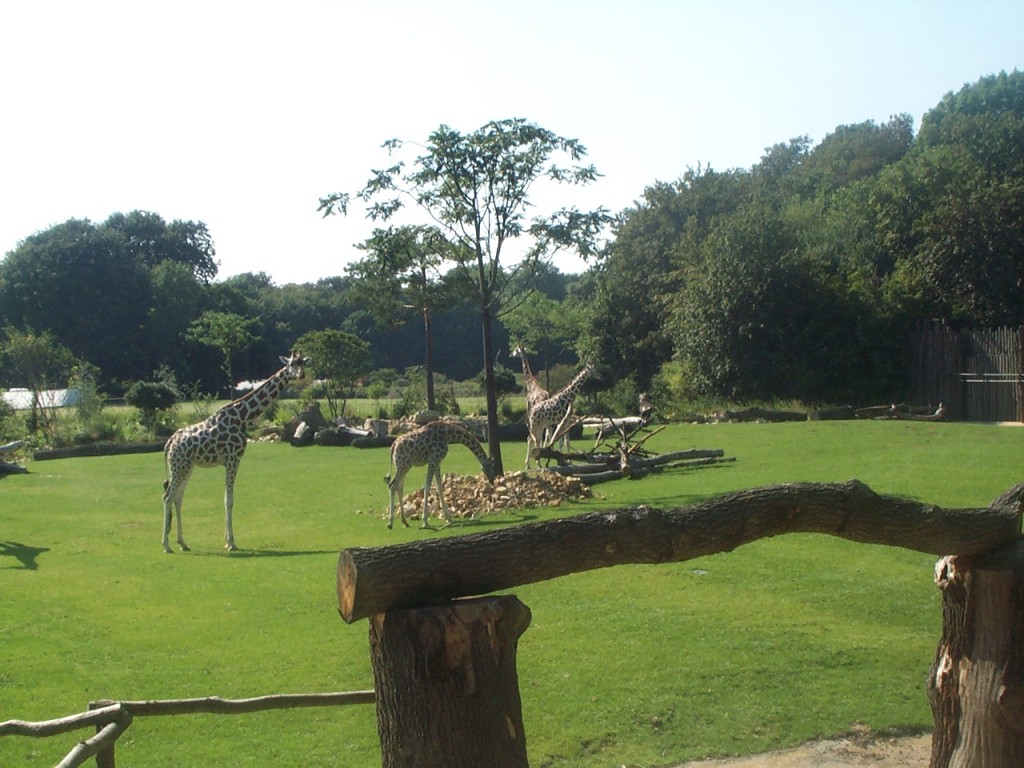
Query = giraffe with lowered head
x=553 y=413
x=219 y=440
x=428 y=445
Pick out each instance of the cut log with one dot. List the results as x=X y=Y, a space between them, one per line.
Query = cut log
x=447 y=688
x=371 y=580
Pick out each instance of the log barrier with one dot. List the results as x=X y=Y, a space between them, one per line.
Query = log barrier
x=439 y=659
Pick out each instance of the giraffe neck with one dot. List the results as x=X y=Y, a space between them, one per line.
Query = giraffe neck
x=251 y=406
x=464 y=436
x=568 y=392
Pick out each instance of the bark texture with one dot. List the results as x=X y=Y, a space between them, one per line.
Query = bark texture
x=447 y=688
x=976 y=686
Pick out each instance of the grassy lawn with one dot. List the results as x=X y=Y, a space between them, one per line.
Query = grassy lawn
x=773 y=644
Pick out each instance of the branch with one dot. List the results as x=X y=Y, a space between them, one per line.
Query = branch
x=376 y=579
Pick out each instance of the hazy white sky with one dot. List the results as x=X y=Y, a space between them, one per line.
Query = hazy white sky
x=243 y=114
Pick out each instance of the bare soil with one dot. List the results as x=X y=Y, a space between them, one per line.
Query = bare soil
x=862 y=747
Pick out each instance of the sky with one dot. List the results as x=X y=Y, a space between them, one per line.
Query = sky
x=242 y=115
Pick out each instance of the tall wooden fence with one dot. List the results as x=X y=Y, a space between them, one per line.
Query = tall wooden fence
x=978 y=375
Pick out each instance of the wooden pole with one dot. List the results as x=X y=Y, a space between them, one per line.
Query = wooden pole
x=447 y=688
x=976 y=685
x=372 y=580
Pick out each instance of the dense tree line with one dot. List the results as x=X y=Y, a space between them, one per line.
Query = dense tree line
x=799 y=277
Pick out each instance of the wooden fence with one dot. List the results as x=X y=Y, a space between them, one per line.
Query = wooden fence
x=112 y=718
x=435 y=651
x=444 y=663
x=978 y=375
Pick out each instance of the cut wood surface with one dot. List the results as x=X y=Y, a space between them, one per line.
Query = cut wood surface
x=375 y=579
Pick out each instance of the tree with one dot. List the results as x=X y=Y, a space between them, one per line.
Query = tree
x=150 y=397
x=337 y=357
x=116 y=294
x=402 y=272
x=545 y=326
x=476 y=188
x=228 y=333
x=38 y=362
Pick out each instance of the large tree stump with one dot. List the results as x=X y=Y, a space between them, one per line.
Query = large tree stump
x=976 y=685
x=447 y=689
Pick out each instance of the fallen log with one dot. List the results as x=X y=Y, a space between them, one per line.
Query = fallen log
x=371 y=580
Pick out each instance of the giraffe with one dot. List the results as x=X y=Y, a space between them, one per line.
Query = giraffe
x=219 y=440
x=429 y=445
x=534 y=391
x=553 y=413
x=534 y=394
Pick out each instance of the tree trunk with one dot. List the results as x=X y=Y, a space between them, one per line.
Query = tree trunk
x=976 y=686
x=446 y=682
x=493 y=438
x=375 y=579
x=429 y=334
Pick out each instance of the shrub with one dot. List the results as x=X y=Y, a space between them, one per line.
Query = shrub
x=150 y=397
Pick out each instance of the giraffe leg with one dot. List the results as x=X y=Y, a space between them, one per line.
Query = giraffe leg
x=173 y=495
x=396 y=488
x=230 y=471
x=440 y=494
x=426 y=493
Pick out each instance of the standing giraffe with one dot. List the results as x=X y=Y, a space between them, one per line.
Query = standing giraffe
x=534 y=391
x=428 y=445
x=220 y=439
x=553 y=413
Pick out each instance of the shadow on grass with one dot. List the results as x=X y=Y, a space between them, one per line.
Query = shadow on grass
x=244 y=554
x=492 y=520
x=22 y=553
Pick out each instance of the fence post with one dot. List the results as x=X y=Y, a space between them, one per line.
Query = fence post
x=105 y=757
x=976 y=685
x=446 y=682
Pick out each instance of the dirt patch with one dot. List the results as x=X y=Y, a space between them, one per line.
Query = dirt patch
x=862 y=747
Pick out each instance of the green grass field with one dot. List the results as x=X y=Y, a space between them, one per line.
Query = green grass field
x=778 y=642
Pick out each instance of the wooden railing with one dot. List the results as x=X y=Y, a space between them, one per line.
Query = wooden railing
x=434 y=652
x=112 y=718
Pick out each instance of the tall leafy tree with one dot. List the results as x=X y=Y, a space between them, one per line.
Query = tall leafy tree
x=403 y=271
x=337 y=357
x=477 y=188
x=38 y=362
x=228 y=333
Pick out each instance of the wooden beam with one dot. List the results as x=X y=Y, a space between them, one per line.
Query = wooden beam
x=371 y=580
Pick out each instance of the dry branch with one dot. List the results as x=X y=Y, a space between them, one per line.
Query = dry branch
x=375 y=579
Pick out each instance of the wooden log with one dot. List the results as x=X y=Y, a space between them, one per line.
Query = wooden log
x=371 y=580
x=448 y=692
x=976 y=685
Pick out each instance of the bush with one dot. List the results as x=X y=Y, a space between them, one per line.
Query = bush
x=150 y=397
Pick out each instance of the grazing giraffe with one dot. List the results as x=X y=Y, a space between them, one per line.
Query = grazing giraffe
x=428 y=445
x=553 y=413
x=220 y=439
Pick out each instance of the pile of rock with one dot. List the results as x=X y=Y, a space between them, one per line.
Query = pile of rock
x=473 y=496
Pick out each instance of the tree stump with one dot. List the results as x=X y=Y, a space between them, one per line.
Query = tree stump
x=976 y=685
x=446 y=682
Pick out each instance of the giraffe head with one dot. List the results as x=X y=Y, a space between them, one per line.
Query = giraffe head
x=487 y=465
x=295 y=364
